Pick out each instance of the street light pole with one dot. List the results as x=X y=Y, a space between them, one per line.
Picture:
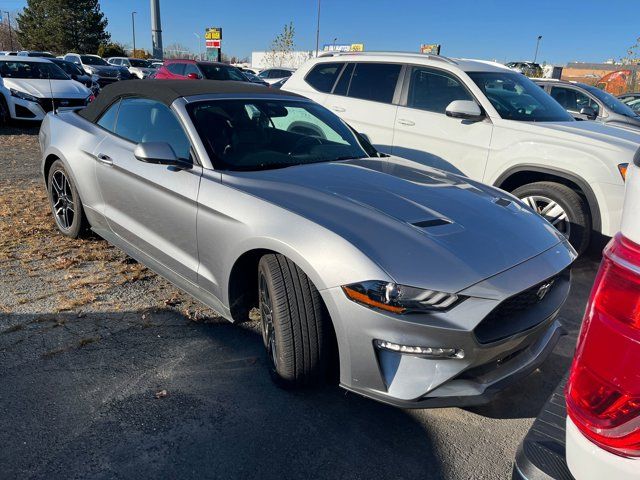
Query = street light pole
x=133 y=28
x=9 y=24
x=535 y=57
x=318 y=31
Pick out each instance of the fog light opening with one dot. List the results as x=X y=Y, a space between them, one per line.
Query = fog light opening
x=428 y=352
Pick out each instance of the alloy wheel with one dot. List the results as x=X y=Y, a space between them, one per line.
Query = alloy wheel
x=266 y=317
x=551 y=211
x=62 y=200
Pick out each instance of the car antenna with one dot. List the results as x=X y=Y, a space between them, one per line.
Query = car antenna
x=53 y=103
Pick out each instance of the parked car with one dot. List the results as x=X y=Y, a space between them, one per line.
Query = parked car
x=254 y=78
x=627 y=98
x=193 y=70
x=136 y=66
x=600 y=437
x=279 y=83
x=31 y=86
x=482 y=120
x=95 y=65
x=431 y=288
x=530 y=69
x=585 y=102
x=8 y=53
x=78 y=74
x=35 y=53
x=273 y=75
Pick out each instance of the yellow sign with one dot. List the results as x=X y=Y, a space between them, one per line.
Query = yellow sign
x=357 y=47
x=214 y=33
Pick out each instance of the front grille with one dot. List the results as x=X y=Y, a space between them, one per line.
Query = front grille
x=47 y=105
x=515 y=314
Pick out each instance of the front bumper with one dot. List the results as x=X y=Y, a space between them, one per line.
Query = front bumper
x=410 y=381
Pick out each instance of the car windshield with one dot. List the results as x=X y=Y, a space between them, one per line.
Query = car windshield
x=91 y=60
x=69 y=67
x=221 y=72
x=137 y=62
x=32 y=70
x=611 y=102
x=264 y=134
x=515 y=97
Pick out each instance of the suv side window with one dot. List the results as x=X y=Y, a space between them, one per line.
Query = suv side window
x=323 y=76
x=176 y=68
x=433 y=90
x=191 y=68
x=573 y=100
x=143 y=120
x=342 y=87
x=374 y=81
x=108 y=118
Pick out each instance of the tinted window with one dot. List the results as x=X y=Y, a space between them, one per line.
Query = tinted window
x=91 y=60
x=32 y=70
x=434 y=90
x=515 y=97
x=143 y=120
x=323 y=76
x=191 y=68
x=108 y=118
x=345 y=78
x=573 y=100
x=374 y=81
x=610 y=101
x=222 y=72
x=116 y=61
x=176 y=68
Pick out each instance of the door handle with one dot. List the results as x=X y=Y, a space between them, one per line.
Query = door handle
x=338 y=109
x=106 y=159
x=408 y=123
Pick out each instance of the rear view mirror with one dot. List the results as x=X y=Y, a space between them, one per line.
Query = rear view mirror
x=589 y=112
x=465 y=110
x=160 y=153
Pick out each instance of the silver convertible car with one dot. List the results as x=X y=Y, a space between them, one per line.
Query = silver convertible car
x=420 y=287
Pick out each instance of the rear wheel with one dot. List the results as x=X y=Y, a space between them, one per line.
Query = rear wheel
x=294 y=323
x=65 y=202
x=565 y=209
x=5 y=117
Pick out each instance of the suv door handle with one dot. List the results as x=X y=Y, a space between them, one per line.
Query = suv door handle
x=337 y=109
x=106 y=159
x=408 y=123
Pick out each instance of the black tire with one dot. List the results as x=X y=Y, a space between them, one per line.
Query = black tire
x=575 y=206
x=299 y=355
x=5 y=116
x=65 y=196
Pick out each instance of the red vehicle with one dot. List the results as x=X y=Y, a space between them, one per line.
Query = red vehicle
x=194 y=70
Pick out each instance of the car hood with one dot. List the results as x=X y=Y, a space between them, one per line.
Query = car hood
x=103 y=69
x=424 y=227
x=143 y=69
x=43 y=88
x=590 y=133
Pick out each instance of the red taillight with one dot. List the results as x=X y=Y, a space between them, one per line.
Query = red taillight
x=603 y=393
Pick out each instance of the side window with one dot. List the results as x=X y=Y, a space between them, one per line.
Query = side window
x=191 y=68
x=345 y=79
x=323 y=76
x=176 y=68
x=434 y=90
x=374 y=81
x=116 y=61
x=573 y=100
x=125 y=62
x=142 y=120
x=108 y=118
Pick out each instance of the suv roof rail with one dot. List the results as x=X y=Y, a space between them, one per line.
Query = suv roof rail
x=439 y=58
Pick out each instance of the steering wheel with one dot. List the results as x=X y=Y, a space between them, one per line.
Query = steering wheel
x=500 y=105
x=306 y=141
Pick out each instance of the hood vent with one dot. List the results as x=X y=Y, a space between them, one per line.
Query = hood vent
x=436 y=222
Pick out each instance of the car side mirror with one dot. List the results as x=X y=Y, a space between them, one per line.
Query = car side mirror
x=465 y=110
x=160 y=153
x=194 y=76
x=589 y=112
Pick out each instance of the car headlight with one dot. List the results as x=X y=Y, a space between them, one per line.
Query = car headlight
x=89 y=70
x=400 y=299
x=23 y=95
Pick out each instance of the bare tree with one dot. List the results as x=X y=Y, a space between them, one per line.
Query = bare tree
x=282 y=47
x=633 y=54
x=9 y=34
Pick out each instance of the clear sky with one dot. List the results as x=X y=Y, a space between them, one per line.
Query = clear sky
x=583 y=30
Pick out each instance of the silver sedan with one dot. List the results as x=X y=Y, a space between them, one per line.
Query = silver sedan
x=421 y=287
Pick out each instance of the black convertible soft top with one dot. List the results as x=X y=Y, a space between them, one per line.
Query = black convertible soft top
x=167 y=91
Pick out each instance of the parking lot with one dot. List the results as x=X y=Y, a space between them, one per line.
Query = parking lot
x=107 y=371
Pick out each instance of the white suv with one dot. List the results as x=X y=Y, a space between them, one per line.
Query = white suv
x=485 y=121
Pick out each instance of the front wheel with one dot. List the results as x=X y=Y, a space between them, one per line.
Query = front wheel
x=65 y=202
x=565 y=209
x=294 y=323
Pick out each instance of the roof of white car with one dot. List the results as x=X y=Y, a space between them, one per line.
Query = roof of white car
x=14 y=58
x=465 y=64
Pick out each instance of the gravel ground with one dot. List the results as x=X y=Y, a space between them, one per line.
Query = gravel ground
x=107 y=371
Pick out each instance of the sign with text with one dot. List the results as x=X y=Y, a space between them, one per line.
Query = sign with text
x=213 y=43
x=213 y=33
x=343 y=47
x=430 y=48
